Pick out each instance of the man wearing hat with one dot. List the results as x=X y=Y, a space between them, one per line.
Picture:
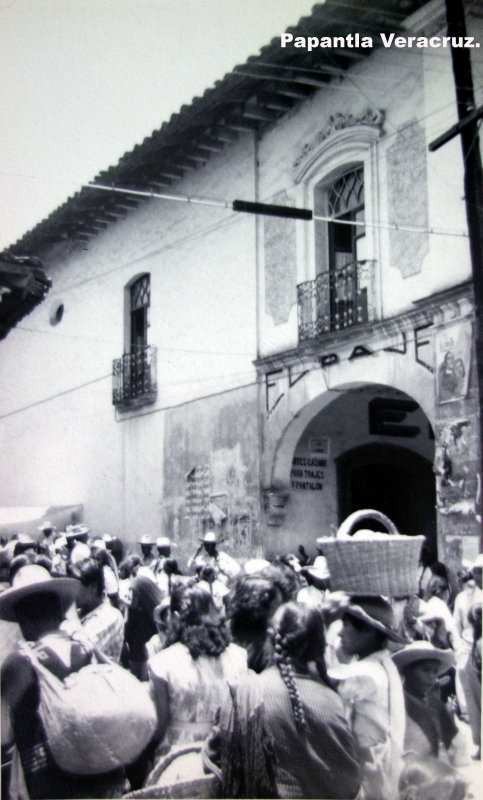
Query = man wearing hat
x=77 y=547
x=37 y=602
x=317 y=579
x=46 y=543
x=148 y=559
x=163 y=546
x=208 y=555
x=430 y=728
x=372 y=692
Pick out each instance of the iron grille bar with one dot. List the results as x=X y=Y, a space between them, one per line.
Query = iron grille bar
x=134 y=380
x=336 y=300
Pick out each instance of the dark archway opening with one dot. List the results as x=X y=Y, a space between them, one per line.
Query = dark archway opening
x=394 y=480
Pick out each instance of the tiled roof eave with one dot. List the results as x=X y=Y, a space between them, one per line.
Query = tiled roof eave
x=239 y=101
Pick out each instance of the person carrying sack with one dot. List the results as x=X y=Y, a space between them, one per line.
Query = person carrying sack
x=39 y=685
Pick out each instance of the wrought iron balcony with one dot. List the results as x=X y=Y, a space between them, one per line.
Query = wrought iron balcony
x=336 y=300
x=134 y=378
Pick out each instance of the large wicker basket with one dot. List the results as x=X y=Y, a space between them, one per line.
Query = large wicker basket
x=384 y=566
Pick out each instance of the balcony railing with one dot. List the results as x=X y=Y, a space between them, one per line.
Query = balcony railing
x=134 y=378
x=336 y=300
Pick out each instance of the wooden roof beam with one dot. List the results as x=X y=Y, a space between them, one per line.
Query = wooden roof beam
x=291 y=90
x=258 y=113
x=241 y=124
x=169 y=171
x=275 y=102
x=200 y=158
x=210 y=145
x=222 y=134
x=186 y=162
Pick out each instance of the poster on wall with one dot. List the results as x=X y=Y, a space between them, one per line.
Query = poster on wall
x=452 y=345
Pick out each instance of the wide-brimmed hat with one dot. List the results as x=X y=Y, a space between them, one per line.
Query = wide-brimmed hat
x=209 y=537
x=147 y=539
x=75 y=531
x=318 y=572
x=163 y=541
x=321 y=540
x=376 y=612
x=46 y=526
x=423 y=651
x=31 y=580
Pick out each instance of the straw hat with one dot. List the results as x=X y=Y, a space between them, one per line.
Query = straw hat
x=46 y=526
x=75 y=531
x=33 y=580
x=147 y=540
x=376 y=612
x=423 y=651
x=209 y=537
x=163 y=541
x=319 y=572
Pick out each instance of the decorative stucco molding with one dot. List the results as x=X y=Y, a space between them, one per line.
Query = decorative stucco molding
x=373 y=118
x=408 y=204
x=280 y=264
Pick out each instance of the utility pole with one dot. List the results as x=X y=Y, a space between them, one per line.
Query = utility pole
x=467 y=129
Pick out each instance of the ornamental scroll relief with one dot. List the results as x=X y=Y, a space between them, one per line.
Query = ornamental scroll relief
x=373 y=118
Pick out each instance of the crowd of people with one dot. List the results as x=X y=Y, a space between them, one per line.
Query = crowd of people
x=258 y=672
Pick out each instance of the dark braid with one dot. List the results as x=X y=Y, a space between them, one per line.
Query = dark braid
x=284 y=664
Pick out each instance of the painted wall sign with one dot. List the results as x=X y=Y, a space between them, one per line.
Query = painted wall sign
x=453 y=359
x=389 y=417
x=197 y=502
x=307 y=473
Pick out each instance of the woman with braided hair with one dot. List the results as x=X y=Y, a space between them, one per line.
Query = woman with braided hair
x=285 y=734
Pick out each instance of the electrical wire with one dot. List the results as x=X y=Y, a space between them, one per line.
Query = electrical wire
x=195 y=381
x=88 y=339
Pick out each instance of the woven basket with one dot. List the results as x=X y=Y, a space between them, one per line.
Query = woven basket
x=386 y=566
x=199 y=786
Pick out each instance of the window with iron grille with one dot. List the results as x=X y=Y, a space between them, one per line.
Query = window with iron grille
x=341 y=294
x=134 y=374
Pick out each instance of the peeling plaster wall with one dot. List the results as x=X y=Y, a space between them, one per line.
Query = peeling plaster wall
x=220 y=432
x=408 y=198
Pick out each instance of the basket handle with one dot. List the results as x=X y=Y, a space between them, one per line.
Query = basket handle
x=346 y=527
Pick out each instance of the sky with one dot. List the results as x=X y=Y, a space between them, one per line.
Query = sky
x=83 y=81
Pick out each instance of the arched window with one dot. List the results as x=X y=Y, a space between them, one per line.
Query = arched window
x=339 y=176
x=134 y=374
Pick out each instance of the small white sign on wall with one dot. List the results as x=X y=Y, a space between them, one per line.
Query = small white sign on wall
x=320 y=446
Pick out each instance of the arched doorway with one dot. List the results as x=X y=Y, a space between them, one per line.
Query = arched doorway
x=395 y=480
